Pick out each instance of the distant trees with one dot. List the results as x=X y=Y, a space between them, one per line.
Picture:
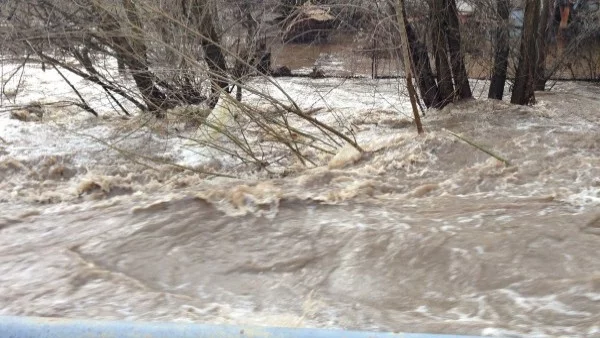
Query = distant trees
x=539 y=30
x=188 y=52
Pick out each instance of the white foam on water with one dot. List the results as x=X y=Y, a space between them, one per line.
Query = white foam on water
x=587 y=197
x=548 y=302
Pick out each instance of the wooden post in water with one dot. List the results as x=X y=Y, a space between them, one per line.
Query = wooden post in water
x=408 y=64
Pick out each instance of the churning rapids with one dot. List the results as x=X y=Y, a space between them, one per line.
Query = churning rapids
x=419 y=234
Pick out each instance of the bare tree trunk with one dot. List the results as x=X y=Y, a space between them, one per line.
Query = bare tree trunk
x=133 y=51
x=426 y=80
x=543 y=29
x=408 y=64
x=422 y=66
x=203 y=18
x=440 y=51
x=459 y=71
x=523 y=90
x=126 y=38
x=501 y=52
x=252 y=56
x=374 y=59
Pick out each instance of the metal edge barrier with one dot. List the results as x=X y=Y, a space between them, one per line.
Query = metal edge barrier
x=37 y=327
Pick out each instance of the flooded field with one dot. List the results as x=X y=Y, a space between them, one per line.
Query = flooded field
x=417 y=234
x=353 y=55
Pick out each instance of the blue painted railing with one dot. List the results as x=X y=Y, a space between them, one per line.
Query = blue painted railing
x=33 y=327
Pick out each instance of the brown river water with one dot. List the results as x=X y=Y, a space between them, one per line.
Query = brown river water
x=420 y=234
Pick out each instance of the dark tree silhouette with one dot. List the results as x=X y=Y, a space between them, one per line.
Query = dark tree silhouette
x=439 y=40
x=525 y=76
x=201 y=16
x=542 y=38
x=501 y=51
x=459 y=71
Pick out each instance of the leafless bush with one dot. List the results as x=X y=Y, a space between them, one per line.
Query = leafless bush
x=166 y=58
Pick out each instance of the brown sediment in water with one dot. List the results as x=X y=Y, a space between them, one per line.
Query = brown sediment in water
x=422 y=234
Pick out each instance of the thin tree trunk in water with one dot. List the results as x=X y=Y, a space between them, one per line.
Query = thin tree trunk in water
x=134 y=55
x=422 y=66
x=408 y=64
x=440 y=50
x=459 y=71
x=374 y=58
x=523 y=90
x=501 y=52
x=542 y=38
x=214 y=57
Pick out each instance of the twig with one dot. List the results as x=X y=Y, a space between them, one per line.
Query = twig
x=489 y=152
x=85 y=60
x=116 y=101
x=322 y=125
x=83 y=105
x=93 y=79
x=20 y=67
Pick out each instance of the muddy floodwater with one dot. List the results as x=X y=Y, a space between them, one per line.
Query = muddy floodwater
x=419 y=234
